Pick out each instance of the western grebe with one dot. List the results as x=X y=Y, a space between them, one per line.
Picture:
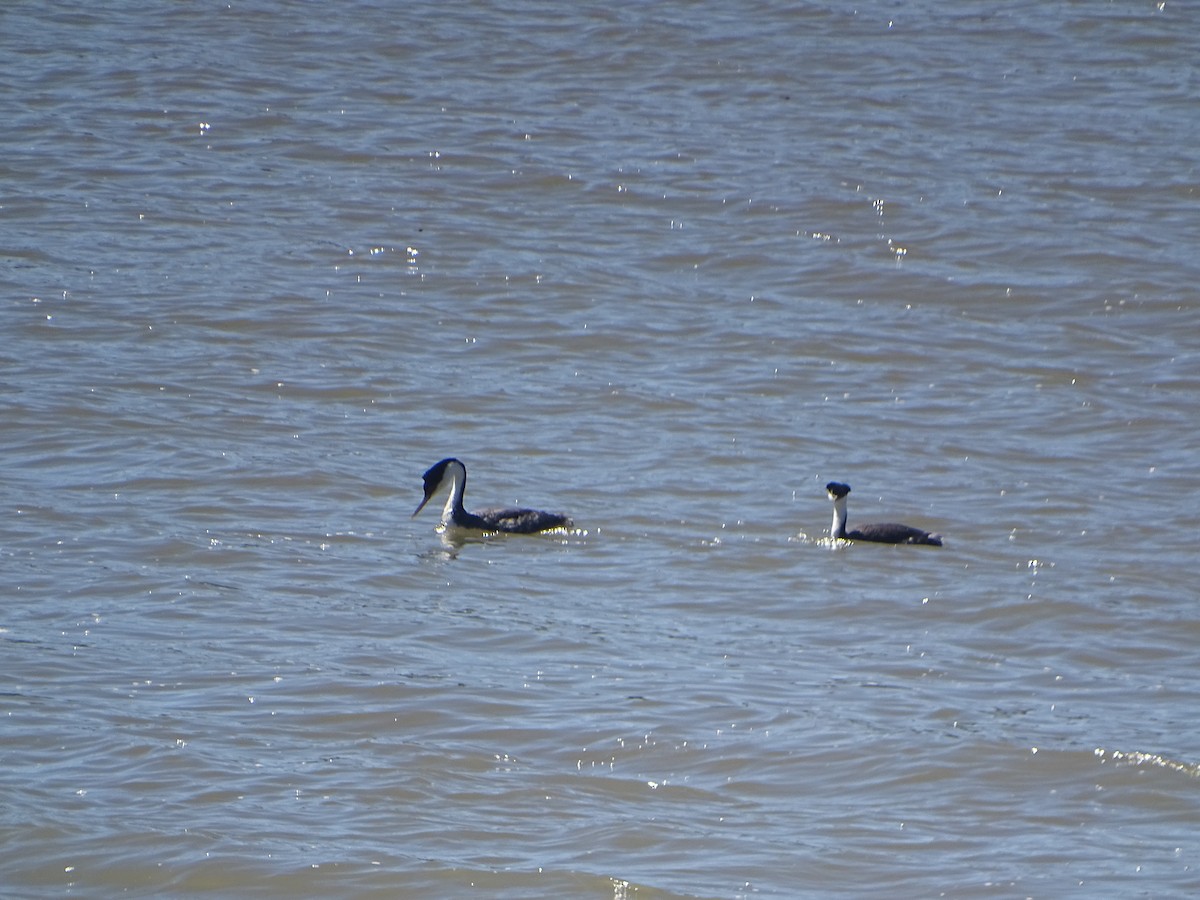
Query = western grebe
x=451 y=475
x=881 y=532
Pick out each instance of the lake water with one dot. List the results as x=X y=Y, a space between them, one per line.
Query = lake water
x=668 y=268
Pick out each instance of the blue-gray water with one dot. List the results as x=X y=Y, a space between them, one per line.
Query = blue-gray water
x=668 y=268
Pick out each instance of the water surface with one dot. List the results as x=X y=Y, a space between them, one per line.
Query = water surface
x=667 y=269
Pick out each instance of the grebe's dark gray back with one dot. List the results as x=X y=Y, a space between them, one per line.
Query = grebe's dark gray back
x=450 y=475
x=879 y=532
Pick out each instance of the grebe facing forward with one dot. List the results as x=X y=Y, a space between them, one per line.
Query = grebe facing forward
x=450 y=476
x=880 y=533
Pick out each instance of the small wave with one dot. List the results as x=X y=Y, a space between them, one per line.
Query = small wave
x=1138 y=758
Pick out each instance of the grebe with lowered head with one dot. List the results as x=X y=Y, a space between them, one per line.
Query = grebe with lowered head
x=881 y=532
x=450 y=476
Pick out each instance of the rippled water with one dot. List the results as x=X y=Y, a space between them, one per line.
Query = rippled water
x=669 y=269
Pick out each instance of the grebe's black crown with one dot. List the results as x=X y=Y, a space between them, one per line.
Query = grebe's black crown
x=837 y=489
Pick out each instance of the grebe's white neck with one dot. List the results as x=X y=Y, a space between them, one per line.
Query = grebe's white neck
x=454 y=482
x=838 y=528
